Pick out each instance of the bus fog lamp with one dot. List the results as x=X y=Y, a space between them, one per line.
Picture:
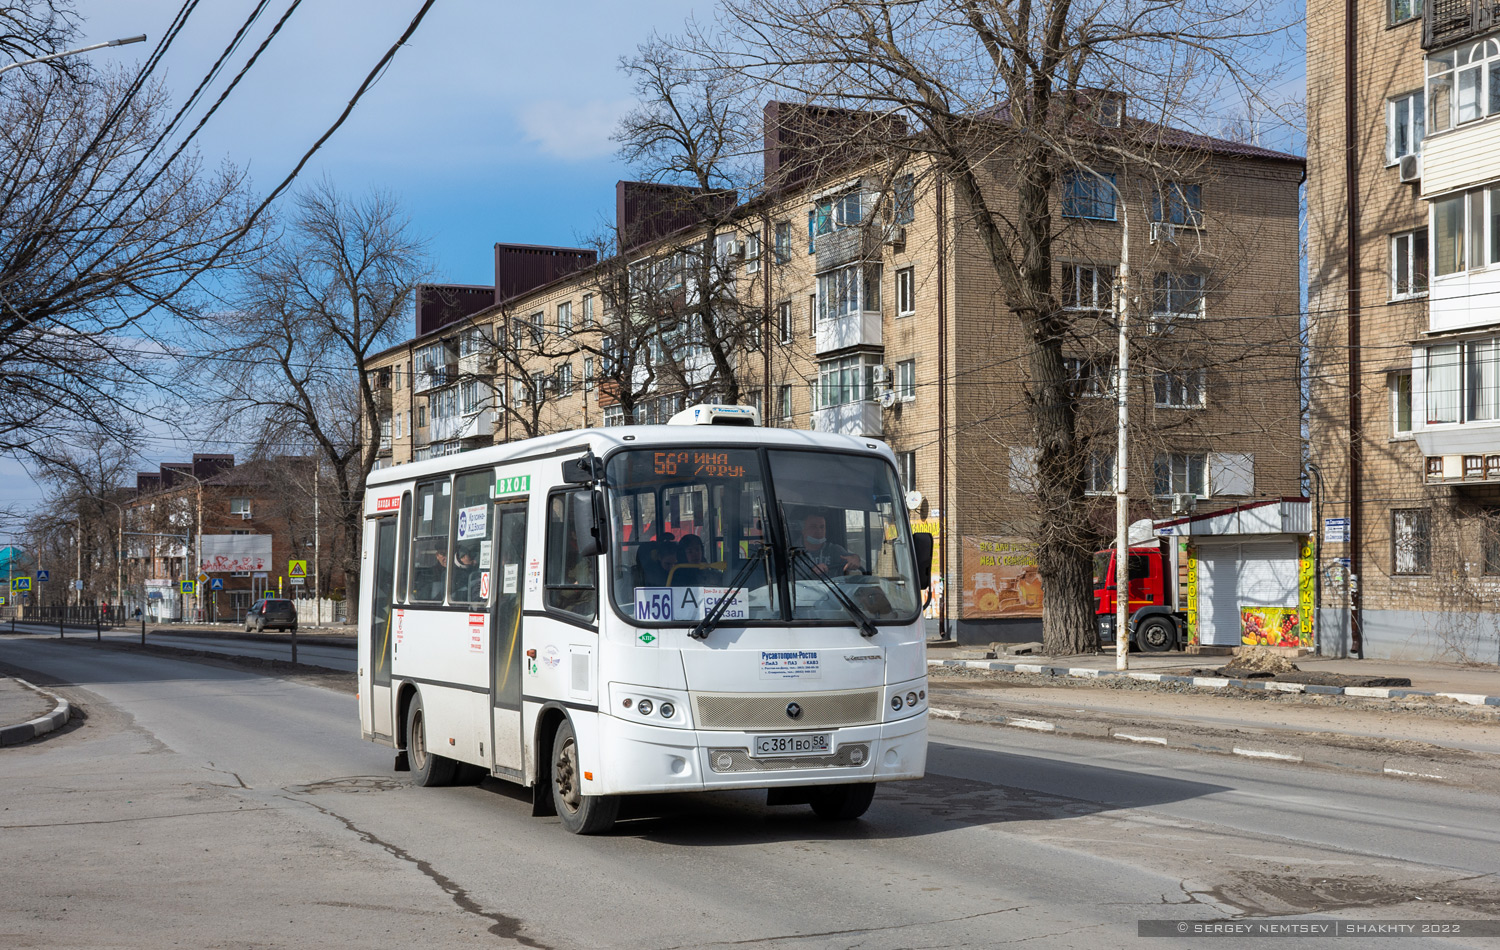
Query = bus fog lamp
x=644 y=706
x=911 y=699
x=668 y=710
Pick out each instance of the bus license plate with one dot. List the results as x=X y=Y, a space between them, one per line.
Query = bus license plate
x=815 y=743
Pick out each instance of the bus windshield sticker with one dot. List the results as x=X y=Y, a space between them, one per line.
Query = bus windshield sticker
x=789 y=665
x=687 y=604
x=512 y=571
x=484 y=555
x=534 y=576
x=472 y=522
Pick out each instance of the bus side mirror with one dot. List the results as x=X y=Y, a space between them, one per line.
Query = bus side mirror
x=587 y=522
x=921 y=549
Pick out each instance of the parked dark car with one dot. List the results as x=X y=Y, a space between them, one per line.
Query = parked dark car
x=272 y=614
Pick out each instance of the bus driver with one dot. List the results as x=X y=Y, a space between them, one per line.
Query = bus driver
x=827 y=558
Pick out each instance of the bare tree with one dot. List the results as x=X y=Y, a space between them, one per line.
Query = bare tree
x=1003 y=97
x=291 y=359
x=101 y=250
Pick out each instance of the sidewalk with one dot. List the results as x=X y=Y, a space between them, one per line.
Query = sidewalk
x=1474 y=685
x=27 y=712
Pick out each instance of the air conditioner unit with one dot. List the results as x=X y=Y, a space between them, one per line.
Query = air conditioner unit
x=888 y=398
x=879 y=374
x=1163 y=232
x=734 y=249
x=245 y=516
x=896 y=237
x=1411 y=168
x=1184 y=503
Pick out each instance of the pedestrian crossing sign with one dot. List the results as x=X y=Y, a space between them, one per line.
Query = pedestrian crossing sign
x=19 y=584
x=296 y=569
x=188 y=586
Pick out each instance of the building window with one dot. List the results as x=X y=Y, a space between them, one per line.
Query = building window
x=613 y=416
x=1176 y=296
x=783 y=241
x=785 y=400
x=848 y=290
x=422 y=416
x=811 y=230
x=1090 y=377
x=846 y=380
x=1179 y=473
x=1405 y=124
x=784 y=321
x=1463 y=84
x=588 y=374
x=1444 y=367
x=1409 y=264
x=839 y=212
x=906 y=292
x=904 y=202
x=565 y=318
x=239 y=506
x=588 y=310
x=906 y=380
x=1101 y=474
x=1178 y=204
x=1087 y=195
x=1023 y=469
x=752 y=253
x=396 y=425
x=1401 y=404
x=1087 y=288
x=906 y=468
x=812 y=315
x=1489 y=540
x=1181 y=389
x=1403 y=10
x=397 y=377
x=1458 y=228
x=1482 y=380
x=1411 y=550
x=538 y=388
x=565 y=379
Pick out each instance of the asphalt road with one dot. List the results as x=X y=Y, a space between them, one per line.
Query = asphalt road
x=205 y=806
x=309 y=650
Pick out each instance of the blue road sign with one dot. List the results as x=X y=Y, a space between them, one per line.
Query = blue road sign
x=216 y=584
x=43 y=577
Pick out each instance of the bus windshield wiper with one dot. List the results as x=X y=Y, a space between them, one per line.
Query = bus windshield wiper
x=866 y=625
x=741 y=578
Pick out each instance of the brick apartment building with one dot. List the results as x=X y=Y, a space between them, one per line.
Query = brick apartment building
x=872 y=310
x=1404 y=327
x=269 y=498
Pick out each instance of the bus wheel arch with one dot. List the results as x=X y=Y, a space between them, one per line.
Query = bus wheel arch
x=548 y=719
x=581 y=814
x=403 y=704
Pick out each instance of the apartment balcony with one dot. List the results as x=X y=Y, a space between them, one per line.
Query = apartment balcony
x=481 y=363
x=862 y=418
x=1452 y=21
x=475 y=425
x=1459 y=157
x=847 y=245
x=383 y=399
x=860 y=329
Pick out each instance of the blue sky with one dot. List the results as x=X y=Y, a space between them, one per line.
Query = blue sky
x=492 y=124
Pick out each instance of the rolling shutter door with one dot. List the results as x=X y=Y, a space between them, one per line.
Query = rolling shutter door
x=1218 y=595
x=1268 y=574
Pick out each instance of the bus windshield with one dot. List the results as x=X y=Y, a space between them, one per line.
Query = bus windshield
x=688 y=524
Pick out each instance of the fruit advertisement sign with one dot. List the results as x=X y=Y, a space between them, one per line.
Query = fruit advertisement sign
x=1000 y=578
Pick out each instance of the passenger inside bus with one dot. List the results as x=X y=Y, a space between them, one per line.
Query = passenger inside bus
x=692 y=569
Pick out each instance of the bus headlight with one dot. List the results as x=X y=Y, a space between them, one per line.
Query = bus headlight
x=896 y=701
x=650 y=705
x=644 y=706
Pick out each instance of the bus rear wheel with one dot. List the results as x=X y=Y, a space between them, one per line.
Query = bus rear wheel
x=427 y=768
x=842 y=802
x=581 y=814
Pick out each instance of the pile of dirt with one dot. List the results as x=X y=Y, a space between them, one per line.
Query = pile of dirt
x=1266 y=666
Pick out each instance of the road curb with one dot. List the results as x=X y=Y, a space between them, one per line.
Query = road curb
x=1218 y=682
x=40 y=726
x=1269 y=748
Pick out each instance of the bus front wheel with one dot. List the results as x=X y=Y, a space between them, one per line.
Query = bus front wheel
x=427 y=768
x=842 y=802
x=581 y=814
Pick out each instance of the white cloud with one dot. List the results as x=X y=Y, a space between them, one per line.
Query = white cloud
x=573 y=131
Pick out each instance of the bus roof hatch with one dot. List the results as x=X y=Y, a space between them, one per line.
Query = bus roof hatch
x=716 y=416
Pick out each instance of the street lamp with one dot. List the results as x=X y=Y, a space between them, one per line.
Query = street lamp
x=74 y=52
x=119 y=552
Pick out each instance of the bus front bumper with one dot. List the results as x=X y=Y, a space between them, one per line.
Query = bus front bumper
x=639 y=758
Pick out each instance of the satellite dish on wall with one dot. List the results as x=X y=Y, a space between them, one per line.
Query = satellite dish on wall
x=913 y=500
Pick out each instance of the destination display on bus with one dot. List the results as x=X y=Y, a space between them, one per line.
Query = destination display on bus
x=698 y=463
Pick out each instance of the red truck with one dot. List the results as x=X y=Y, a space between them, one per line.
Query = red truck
x=1158 y=617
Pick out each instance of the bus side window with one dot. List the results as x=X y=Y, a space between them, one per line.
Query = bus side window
x=429 y=572
x=572 y=581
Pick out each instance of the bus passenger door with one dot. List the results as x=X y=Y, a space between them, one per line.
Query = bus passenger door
x=381 y=629
x=505 y=631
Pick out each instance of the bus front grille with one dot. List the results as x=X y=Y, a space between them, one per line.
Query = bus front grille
x=743 y=712
x=738 y=760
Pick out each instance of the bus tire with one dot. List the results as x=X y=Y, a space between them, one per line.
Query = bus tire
x=842 y=802
x=581 y=814
x=1156 y=635
x=427 y=768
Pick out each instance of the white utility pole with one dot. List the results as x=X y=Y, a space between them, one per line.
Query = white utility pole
x=317 y=559
x=1122 y=481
